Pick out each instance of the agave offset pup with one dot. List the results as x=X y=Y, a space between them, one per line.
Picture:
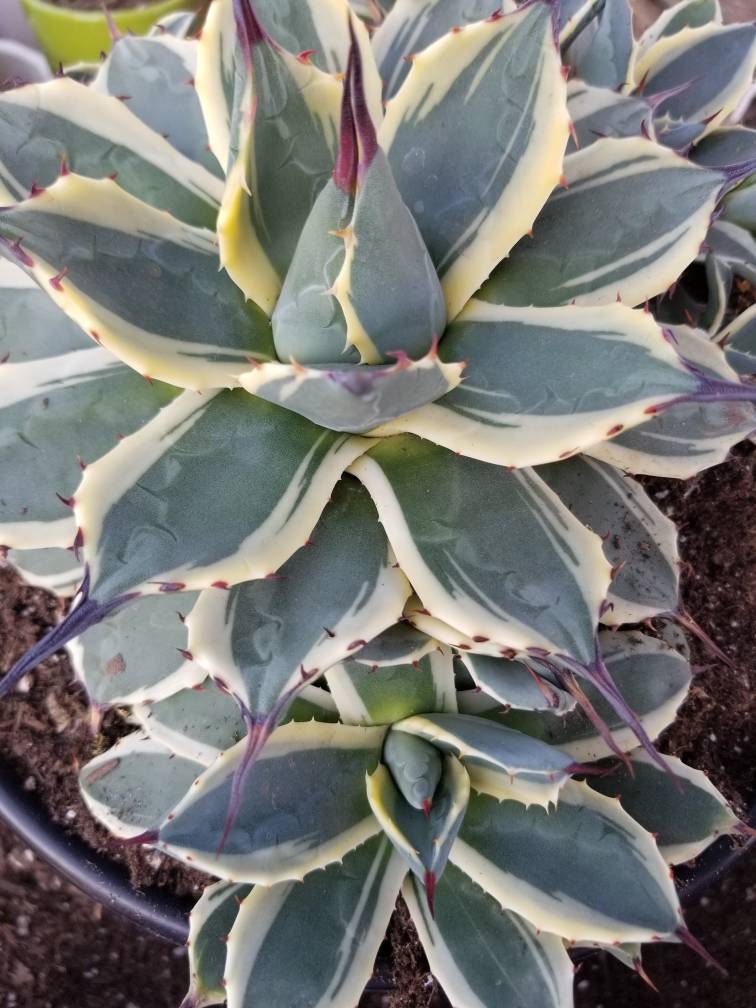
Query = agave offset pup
x=399 y=362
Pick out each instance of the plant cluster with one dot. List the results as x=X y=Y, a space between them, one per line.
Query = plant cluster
x=362 y=555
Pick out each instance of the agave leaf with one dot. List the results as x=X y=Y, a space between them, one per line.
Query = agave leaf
x=526 y=788
x=727 y=145
x=65 y=401
x=597 y=112
x=740 y=342
x=734 y=247
x=140 y=282
x=202 y=722
x=133 y=786
x=719 y=277
x=138 y=533
x=422 y=838
x=155 y=78
x=632 y=219
x=442 y=550
x=608 y=883
x=627 y=953
x=352 y=246
x=686 y=438
x=382 y=695
x=313 y=704
x=684 y=811
x=497 y=89
x=739 y=207
x=317 y=30
x=359 y=238
x=454 y=557
x=55 y=570
x=210 y=924
x=215 y=77
x=676 y=134
x=573 y=18
x=197 y=723
x=483 y=955
x=639 y=541
x=416 y=767
x=602 y=54
x=420 y=618
x=372 y=11
x=321 y=30
x=652 y=677
x=265 y=640
x=180 y=24
x=412 y=25
x=499 y=760
x=729 y=54
x=401 y=644
x=288 y=824
x=61 y=122
x=541 y=384
x=686 y=14
x=351 y=902
x=137 y=654
x=283 y=146
x=515 y=685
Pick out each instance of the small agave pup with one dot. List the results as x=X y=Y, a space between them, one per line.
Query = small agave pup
x=400 y=361
x=403 y=776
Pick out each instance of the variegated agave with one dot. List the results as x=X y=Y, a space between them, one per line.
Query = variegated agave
x=417 y=362
x=405 y=774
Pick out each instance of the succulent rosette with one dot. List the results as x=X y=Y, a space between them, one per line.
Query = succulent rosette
x=388 y=275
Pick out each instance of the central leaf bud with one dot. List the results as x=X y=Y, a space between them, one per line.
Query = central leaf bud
x=416 y=767
x=361 y=288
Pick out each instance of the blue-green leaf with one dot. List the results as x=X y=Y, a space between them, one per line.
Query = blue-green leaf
x=683 y=809
x=154 y=77
x=584 y=870
x=132 y=505
x=454 y=555
x=62 y=125
x=288 y=823
x=140 y=282
x=64 y=403
x=483 y=955
x=632 y=218
x=264 y=640
x=486 y=105
x=350 y=905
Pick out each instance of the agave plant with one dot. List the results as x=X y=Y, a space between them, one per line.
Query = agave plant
x=399 y=363
x=398 y=777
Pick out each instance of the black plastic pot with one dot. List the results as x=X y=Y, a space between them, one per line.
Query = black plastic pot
x=165 y=916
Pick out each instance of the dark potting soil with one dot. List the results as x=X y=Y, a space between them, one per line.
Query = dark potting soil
x=57 y=949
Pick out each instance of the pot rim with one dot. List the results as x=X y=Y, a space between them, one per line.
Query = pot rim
x=90 y=16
